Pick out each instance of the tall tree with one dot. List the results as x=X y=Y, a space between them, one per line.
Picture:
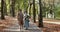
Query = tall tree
x=30 y=4
x=34 y=11
x=12 y=9
x=5 y=8
x=40 y=15
x=2 y=14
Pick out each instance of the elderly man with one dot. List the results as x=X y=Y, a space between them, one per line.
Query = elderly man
x=20 y=18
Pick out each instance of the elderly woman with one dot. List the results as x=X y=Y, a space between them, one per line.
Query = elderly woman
x=26 y=21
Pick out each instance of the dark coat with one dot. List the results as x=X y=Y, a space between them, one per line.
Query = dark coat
x=20 y=18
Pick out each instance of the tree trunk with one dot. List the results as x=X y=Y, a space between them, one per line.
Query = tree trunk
x=2 y=14
x=34 y=11
x=5 y=8
x=30 y=4
x=30 y=9
x=40 y=15
x=12 y=9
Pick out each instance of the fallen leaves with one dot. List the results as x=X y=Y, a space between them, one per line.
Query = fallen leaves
x=6 y=23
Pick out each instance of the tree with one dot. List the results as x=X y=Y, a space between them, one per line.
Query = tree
x=12 y=9
x=2 y=14
x=40 y=15
x=34 y=11
x=30 y=4
x=30 y=9
x=5 y=8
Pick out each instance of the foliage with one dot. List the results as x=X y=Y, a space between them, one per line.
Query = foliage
x=57 y=11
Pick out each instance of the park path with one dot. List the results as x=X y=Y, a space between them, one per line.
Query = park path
x=15 y=28
x=33 y=27
x=51 y=22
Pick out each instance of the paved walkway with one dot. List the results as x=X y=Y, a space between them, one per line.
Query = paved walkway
x=51 y=22
x=32 y=27
x=15 y=28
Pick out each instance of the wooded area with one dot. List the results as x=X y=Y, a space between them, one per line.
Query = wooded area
x=49 y=9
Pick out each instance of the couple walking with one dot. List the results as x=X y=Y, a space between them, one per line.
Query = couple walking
x=23 y=19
